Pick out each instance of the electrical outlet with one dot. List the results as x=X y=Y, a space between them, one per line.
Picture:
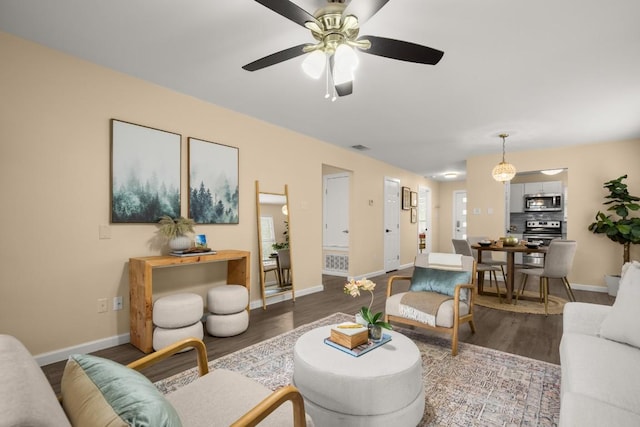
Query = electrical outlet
x=102 y=305
x=117 y=303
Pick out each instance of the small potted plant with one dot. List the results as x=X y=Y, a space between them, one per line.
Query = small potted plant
x=619 y=228
x=373 y=321
x=175 y=231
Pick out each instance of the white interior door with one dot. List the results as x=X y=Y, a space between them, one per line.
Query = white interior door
x=460 y=215
x=336 y=211
x=391 y=224
x=424 y=214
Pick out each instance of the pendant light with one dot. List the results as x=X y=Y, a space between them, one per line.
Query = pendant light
x=503 y=171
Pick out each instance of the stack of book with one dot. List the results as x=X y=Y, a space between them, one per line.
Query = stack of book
x=193 y=252
x=349 y=334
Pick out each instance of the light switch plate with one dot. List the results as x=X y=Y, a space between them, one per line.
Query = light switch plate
x=104 y=232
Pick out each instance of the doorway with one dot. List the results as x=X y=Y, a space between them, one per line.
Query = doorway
x=335 y=223
x=424 y=215
x=391 y=224
x=459 y=214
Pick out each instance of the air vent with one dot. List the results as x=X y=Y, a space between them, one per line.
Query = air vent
x=360 y=147
x=336 y=263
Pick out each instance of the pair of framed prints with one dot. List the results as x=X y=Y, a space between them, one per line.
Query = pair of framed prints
x=146 y=177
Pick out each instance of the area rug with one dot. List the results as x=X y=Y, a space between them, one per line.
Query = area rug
x=478 y=387
x=555 y=304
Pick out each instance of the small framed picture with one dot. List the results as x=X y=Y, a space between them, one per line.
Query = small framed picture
x=406 y=198
x=201 y=241
x=414 y=199
x=414 y=215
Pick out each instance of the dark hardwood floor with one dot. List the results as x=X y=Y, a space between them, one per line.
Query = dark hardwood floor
x=534 y=336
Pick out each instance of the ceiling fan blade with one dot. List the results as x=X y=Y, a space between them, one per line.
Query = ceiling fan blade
x=364 y=9
x=276 y=58
x=404 y=51
x=289 y=10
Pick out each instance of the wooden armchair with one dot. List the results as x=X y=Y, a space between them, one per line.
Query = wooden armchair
x=440 y=295
x=223 y=397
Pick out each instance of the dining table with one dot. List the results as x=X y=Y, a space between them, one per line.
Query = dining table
x=510 y=252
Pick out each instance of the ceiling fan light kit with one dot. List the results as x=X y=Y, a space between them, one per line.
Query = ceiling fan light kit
x=314 y=64
x=335 y=28
x=503 y=171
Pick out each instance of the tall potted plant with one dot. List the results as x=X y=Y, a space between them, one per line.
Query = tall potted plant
x=618 y=226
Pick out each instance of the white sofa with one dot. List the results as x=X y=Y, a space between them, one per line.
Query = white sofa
x=600 y=359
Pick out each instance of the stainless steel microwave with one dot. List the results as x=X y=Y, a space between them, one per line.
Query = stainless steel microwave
x=543 y=202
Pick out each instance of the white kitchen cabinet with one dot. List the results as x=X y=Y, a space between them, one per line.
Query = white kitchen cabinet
x=543 y=187
x=552 y=187
x=516 y=198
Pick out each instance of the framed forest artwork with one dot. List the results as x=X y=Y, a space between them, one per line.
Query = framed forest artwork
x=145 y=173
x=213 y=182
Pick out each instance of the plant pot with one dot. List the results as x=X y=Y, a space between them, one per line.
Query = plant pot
x=180 y=243
x=613 y=282
x=375 y=332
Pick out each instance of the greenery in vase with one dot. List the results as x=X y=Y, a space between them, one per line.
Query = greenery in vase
x=353 y=288
x=623 y=230
x=174 y=227
x=284 y=245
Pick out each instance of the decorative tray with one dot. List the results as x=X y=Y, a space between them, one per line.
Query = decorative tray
x=361 y=349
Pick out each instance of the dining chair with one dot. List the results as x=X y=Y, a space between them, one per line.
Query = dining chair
x=487 y=257
x=463 y=247
x=284 y=261
x=271 y=265
x=557 y=265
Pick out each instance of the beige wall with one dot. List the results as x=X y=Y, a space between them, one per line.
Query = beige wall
x=589 y=166
x=54 y=171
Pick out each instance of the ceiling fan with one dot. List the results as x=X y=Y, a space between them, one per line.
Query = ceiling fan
x=336 y=28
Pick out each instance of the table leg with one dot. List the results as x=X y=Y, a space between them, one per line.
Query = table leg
x=510 y=275
x=480 y=276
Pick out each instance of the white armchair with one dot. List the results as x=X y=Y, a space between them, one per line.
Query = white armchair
x=440 y=295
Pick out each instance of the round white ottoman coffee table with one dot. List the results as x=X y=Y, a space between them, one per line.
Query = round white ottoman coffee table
x=380 y=388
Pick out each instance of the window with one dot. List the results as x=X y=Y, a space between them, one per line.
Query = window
x=268 y=235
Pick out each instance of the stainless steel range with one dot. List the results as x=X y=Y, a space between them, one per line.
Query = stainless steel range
x=543 y=231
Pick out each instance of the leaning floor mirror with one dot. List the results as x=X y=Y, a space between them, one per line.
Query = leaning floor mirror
x=274 y=244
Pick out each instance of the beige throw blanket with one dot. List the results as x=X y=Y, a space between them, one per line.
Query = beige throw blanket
x=422 y=306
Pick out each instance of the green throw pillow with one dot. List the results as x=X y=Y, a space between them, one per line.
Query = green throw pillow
x=100 y=392
x=440 y=281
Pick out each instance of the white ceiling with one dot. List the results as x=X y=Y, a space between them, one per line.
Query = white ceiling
x=549 y=73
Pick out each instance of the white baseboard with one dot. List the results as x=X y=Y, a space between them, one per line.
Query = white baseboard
x=590 y=288
x=284 y=297
x=574 y=286
x=88 y=347
x=335 y=273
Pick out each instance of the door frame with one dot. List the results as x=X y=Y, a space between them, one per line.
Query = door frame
x=398 y=242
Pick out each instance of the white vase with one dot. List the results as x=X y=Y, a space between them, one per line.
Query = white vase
x=180 y=243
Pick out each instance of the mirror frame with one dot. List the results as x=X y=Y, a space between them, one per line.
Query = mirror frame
x=263 y=286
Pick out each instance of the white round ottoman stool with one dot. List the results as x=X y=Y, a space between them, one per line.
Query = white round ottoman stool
x=227 y=304
x=379 y=389
x=163 y=337
x=177 y=310
x=227 y=325
x=227 y=299
x=176 y=317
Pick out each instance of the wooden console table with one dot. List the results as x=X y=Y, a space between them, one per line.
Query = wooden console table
x=141 y=286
